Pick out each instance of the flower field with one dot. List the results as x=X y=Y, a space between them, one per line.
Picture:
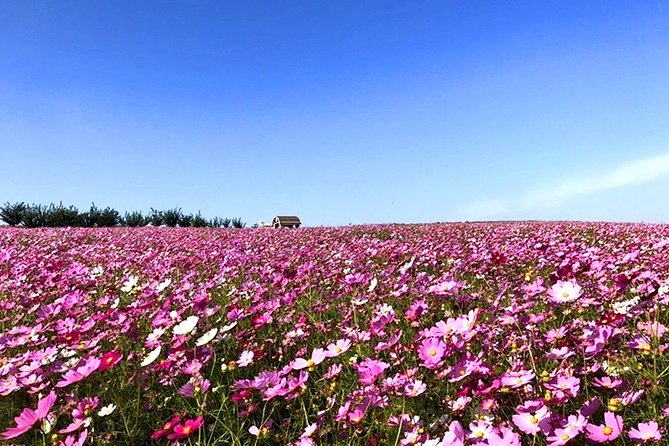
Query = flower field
x=459 y=334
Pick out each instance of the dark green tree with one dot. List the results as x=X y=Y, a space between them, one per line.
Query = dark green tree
x=171 y=217
x=12 y=214
x=134 y=219
x=199 y=221
x=237 y=223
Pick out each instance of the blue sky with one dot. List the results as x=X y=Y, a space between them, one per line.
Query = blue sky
x=340 y=112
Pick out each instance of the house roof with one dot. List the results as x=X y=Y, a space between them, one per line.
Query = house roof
x=287 y=219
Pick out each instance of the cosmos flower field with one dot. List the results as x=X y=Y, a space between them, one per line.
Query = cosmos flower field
x=457 y=334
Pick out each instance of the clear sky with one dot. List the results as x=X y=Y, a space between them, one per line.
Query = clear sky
x=339 y=111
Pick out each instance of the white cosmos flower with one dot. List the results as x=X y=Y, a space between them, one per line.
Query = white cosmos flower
x=229 y=326
x=186 y=326
x=106 y=410
x=164 y=284
x=207 y=337
x=151 y=356
x=97 y=272
x=129 y=284
x=372 y=285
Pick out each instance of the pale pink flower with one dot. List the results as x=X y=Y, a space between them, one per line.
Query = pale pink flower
x=245 y=359
x=339 y=347
x=564 y=291
x=645 y=433
x=532 y=417
x=317 y=356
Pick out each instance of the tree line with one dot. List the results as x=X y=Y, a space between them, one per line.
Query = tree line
x=58 y=215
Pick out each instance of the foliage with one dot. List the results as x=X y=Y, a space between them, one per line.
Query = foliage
x=100 y=218
x=171 y=217
x=155 y=217
x=12 y=214
x=186 y=220
x=134 y=219
x=34 y=216
x=37 y=216
x=60 y=216
x=199 y=221
x=237 y=223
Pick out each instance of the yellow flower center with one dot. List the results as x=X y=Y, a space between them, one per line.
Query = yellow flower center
x=607 y=430
x=565 y=294
x=432 y=352
x=534 y=420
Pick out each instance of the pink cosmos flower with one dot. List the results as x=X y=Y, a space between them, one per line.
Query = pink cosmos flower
x=339 y=347
x=317 y=356
x=610 y=430
x=505 y=437
x=532 y=417
x=167 y=427
x=607 y=382
x=455 y=435
x=72 y=376
x=245 y=359
x=70 y=440
x=415 y=388
x=645 y=433
x=563 y=292
x=29 y=417
x=370 y=370
x=517 y=379
x=479 y=430
x=431 y=351
x=186 y=429
x=109 y=360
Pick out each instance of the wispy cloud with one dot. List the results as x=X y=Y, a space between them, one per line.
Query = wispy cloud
x=634 y=172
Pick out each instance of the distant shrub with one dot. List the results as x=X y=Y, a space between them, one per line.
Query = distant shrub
x=237 y=223
x=199 y=221
x=12 y=214
x=134 y=219
x=34 y=216
x=186 y=221
x=171 y=217
x=59 y=216
x=155 y=217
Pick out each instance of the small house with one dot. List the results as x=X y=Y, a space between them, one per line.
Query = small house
x=286 y=221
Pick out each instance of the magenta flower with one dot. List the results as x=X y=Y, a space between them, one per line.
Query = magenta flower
x=167 y=427
x=610 y=430
x=431 y=351
x=370 y=370
x=505 y=437
x=109 y=360
x=517 y=379
x=186 y=429
x=70 y=440
x=29 y=417
x=72 y=376
x=645 y=432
